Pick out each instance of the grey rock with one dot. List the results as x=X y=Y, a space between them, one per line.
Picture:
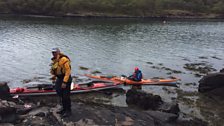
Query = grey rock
x=163 y=116
x=170 y=108
x=6 y=124
x=4 y=91
x=142 y=99
x=41 y=112
x=211 y=82
x=7 y=112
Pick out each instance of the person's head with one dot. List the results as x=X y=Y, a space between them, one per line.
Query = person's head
x=136 y=69
x=55 y=52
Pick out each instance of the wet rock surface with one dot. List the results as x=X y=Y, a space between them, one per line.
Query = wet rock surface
x=148 y=101
x=222 y=70
x=108 y=115
x=83 y=68
x=149 y=111
x=142 y=99
x=170 y=108
x=169 y=70
x=7 y=112
x=212 y=82
x=4 y=91
x=96 y=114
x=42 y=111
x=199 y=69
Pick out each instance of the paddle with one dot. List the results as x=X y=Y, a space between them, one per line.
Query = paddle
x=42 y=86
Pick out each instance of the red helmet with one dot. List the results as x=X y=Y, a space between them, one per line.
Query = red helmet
x=136 y=69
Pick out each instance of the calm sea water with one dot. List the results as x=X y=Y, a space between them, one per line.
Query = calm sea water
x=111 y=46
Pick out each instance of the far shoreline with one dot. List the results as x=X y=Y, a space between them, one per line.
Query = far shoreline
x=73 y=16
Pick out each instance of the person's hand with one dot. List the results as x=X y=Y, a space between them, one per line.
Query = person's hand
x=63 y=85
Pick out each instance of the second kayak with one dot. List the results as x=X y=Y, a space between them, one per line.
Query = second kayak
x=125 y=80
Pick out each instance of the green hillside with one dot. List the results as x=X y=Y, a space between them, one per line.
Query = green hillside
x=111 y=8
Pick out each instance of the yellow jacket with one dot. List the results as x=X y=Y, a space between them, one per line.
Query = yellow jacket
x=61 y=67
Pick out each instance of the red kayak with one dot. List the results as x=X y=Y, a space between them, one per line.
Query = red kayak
x=125 y=80
x=75 y=88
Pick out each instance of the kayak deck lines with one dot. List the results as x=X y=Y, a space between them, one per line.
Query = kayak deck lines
x=76 y=88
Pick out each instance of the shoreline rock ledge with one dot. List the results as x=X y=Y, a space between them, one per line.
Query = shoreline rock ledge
x=213 y=84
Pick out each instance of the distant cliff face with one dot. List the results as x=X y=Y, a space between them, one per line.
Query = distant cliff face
x=115 y=8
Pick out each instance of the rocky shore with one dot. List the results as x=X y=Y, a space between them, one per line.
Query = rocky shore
x=144 y=109
x=212 y=84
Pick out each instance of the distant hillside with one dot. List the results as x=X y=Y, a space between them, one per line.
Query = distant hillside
x=116 y=8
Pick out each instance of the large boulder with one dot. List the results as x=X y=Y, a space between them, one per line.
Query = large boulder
x=4 y=91
x=222 y=70
x=7 y=112
x=212 y=82
x=143 y=100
